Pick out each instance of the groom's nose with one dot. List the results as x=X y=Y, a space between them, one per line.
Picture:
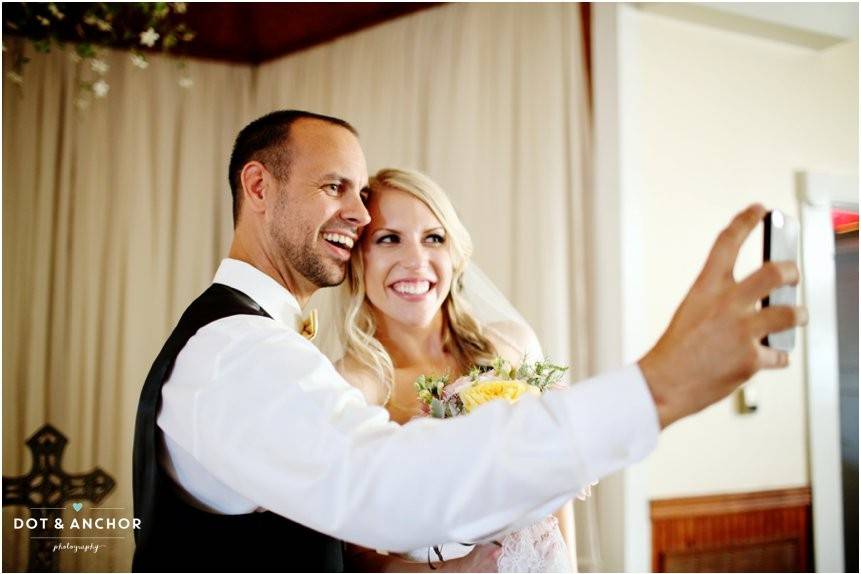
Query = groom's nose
x=354 y=211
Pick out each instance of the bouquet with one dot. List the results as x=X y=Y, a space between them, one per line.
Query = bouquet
x=540 y=547
x=441 y=399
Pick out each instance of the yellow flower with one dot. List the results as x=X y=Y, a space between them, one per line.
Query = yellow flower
x=484 y=391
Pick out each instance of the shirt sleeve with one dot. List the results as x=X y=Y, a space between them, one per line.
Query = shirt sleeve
x=282 y=428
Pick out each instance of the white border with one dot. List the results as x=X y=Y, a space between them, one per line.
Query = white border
x=816 y=193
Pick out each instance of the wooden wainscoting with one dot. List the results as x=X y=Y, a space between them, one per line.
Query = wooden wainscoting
x=767 y=531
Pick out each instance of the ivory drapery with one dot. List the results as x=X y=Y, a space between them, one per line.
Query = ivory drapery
x=115 y=218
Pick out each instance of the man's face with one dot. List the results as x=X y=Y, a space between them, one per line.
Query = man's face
x=319 y=211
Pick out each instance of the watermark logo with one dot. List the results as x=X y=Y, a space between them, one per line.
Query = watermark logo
x=83 y=533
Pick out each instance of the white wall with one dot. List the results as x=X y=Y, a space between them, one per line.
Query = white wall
x=721 y=120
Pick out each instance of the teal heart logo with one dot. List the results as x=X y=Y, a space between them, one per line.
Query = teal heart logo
x=77 y=506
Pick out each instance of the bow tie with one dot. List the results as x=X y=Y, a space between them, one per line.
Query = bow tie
x=308 y=327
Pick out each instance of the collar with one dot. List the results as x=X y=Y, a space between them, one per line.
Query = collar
x=268 y=293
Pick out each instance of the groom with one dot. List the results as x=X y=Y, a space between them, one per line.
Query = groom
x=251 y=453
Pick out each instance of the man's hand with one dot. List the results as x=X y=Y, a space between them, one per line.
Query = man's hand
x=713 y=342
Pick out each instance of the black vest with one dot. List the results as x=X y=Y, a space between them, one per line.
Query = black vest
x=176 y=536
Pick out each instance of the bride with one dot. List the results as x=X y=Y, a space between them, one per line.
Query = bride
x=406 y=316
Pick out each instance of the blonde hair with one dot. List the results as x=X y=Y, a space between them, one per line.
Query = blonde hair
x=464 y=336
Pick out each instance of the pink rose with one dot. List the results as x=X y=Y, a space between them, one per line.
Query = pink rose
x=456 y=387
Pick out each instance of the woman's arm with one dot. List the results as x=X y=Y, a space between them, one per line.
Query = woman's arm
x=565 y=516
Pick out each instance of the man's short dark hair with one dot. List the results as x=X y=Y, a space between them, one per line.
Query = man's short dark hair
x=265 y=140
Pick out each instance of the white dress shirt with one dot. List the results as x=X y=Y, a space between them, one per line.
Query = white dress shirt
x=254 y=417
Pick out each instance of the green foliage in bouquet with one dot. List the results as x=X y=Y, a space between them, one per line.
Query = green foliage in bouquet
x=541 y=374
x=430 y=389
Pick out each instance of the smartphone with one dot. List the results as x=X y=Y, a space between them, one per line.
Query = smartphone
x=780 y=243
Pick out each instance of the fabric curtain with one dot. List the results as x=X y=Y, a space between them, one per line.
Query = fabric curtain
x=115 y=218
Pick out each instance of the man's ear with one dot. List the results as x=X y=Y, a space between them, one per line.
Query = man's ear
x=256 y=181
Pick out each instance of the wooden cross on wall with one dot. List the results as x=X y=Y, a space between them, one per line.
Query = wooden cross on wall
x=45 y=491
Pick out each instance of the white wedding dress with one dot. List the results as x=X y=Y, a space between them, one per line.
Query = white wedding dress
x=537 y=548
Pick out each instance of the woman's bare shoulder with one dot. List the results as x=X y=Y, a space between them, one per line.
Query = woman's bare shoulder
x=514 y=341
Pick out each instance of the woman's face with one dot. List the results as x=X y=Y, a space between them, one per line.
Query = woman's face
x=408 y=265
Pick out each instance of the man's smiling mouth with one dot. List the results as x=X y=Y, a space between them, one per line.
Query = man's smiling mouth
x=339 y=240
x=340 y=244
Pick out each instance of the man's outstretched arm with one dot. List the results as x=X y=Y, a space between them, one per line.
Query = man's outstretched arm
x=282 y=430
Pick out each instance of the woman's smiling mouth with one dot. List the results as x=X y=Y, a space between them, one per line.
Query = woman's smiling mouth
x=412 y=289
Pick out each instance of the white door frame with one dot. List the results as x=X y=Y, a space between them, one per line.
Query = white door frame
x=622 y=499
x=816 y=193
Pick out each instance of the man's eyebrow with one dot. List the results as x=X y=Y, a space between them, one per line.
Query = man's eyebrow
x=334 y=175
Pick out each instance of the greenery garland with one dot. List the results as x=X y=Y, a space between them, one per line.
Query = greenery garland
x=90 y=27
